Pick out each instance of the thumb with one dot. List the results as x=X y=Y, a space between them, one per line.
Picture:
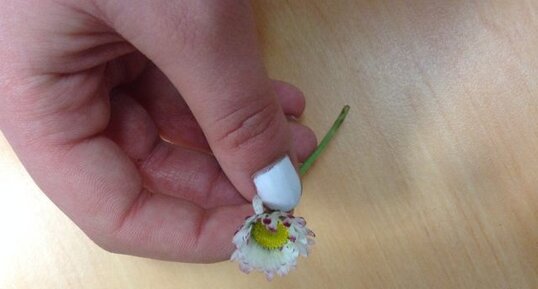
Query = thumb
x=209 y=51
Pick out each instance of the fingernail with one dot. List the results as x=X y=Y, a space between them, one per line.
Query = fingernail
x=279 y=185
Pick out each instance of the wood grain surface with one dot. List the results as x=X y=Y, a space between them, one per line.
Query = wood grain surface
x=432 y=181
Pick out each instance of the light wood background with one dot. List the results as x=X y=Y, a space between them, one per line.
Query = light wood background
x=431 y=183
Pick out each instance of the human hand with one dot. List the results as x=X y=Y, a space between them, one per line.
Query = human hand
x=113 y=106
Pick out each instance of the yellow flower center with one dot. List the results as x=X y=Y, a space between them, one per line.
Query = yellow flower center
x=270 y=239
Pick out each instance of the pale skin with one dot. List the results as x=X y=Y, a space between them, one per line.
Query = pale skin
x=144 y=121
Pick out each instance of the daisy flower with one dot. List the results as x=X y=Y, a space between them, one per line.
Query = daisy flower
x=271 y=242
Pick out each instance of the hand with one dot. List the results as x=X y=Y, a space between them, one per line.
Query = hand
x=115 y=106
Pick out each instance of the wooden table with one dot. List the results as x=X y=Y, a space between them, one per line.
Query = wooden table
x=431 y=183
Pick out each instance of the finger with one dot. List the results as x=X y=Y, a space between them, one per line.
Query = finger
x=290 y=97
x=113 y=208
x=159 y=226
x=174 y=118
x=131 y=127
x=304 y=140
x=167 y=168
x=99 y=188
x=189 y=175
x=197 y=177
x=213 y=59
x=176 y=171
x=168 y=110
x=125 y=69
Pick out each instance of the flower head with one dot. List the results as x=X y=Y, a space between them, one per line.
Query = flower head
x=271 y=242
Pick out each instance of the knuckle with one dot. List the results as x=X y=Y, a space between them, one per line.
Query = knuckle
x=107 y=247
x=249 y=125
x=105 y=241
x=107 y=236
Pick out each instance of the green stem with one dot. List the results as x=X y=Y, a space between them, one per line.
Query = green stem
x=325 y=141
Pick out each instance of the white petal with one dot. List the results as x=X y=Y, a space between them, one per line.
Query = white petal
x=257 y=204
x=242 y=236
x=245 y=268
